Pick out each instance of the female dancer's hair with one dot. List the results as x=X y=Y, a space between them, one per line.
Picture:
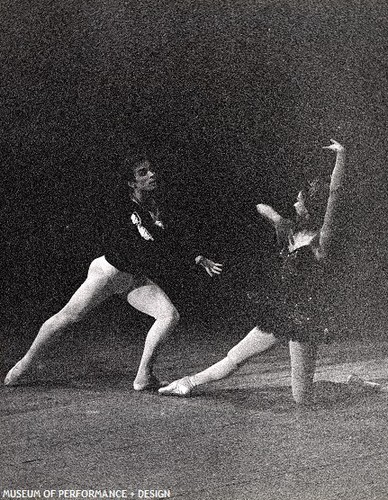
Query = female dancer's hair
x=315 y=196
x=316 y=200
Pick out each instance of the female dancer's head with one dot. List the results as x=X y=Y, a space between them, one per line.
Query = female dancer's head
x=310 y=206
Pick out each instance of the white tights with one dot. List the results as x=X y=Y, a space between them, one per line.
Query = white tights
x=103 y=281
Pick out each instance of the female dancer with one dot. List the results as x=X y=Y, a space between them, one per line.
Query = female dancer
x=139 y=249
x=304 y=287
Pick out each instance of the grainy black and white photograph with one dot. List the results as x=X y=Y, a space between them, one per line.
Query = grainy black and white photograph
x=194 y=249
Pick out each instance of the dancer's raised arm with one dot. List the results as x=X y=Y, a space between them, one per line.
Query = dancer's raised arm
x=337 y=184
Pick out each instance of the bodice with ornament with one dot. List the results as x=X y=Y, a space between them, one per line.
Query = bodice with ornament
x=140 y=241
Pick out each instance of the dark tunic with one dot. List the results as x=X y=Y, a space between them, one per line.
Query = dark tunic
x=139 y=245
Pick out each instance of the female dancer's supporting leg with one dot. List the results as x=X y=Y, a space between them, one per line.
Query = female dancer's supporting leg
x=303 y=362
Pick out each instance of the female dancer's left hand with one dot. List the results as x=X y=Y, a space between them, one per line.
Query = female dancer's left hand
x=335 y=146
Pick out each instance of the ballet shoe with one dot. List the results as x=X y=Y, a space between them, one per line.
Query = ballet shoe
x=21 y=374
x=181 y=388
x=357 y=383
x=16 y=375
x=153 y=384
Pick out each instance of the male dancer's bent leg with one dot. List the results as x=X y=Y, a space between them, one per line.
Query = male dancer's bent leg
x=152 y=300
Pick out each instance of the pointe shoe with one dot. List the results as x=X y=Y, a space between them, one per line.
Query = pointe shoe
x=152 y=384
x=181 y=388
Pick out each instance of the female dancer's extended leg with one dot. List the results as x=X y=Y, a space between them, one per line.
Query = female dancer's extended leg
x=255 y=343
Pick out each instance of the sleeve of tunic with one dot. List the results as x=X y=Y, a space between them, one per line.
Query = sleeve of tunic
x=135 y=243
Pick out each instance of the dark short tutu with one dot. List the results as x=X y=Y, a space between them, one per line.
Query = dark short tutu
x=296 y=302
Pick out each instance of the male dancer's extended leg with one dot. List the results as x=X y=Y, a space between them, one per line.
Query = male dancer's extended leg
x=152 y=300
x=255 y=343
x=92 y=292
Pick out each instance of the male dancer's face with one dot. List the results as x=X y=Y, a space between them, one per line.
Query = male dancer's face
x=145 y=179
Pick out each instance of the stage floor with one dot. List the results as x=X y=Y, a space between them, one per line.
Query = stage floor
x=239 y=439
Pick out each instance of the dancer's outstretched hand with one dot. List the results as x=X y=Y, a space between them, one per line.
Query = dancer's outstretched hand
x=335 y=146
x=212 y=268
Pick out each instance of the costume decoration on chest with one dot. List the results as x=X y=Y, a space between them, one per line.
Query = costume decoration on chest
x=156 y=219
x=159 y=223
x=144 y=233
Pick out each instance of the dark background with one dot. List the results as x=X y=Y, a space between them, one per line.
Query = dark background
x=233 y=99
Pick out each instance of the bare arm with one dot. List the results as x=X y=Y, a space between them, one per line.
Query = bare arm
x=284 y=227
x=335 y=197
x=269 y=213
